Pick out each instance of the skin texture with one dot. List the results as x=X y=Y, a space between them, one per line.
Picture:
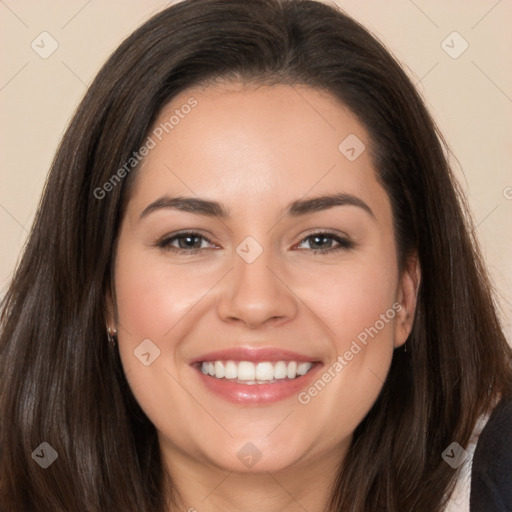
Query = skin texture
x=255 y=150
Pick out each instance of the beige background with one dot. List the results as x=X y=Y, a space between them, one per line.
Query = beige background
x=470 y=97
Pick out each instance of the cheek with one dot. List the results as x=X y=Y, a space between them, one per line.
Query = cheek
x=156 y=302
x=152 y=297
x=351 y=297
x=359 y=306
x=163 y=303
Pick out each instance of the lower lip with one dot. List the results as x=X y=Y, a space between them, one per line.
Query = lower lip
x=258 y=394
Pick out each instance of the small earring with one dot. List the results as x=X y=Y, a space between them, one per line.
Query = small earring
x=405 y=346
x=111 y=335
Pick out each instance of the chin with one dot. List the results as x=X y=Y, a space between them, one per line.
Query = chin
x=251 y=458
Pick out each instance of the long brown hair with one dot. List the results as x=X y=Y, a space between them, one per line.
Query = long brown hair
x=62 y=384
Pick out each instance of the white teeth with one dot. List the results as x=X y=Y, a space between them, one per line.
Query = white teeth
x=246 y=370
x=231 y=370
x=219 y=369
x=255 y=373
x=280 y=370
x=303 y=368
x=292 y=370
x=264 y=371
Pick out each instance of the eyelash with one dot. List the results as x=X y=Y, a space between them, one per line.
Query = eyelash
x=165 y=243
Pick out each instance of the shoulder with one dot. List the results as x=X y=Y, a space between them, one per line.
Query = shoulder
x=491 y=472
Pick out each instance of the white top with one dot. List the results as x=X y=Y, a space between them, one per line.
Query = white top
x=459 y=500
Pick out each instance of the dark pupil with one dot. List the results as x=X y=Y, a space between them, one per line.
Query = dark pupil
x=316 y=238
x=186 y=242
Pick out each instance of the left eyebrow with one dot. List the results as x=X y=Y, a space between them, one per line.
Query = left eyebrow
x=315 y=204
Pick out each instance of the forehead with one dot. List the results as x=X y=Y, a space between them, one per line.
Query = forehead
x=246 y=145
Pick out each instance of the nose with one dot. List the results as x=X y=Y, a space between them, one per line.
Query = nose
x=255 y=294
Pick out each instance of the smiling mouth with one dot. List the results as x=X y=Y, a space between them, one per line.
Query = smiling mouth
x=249 y=373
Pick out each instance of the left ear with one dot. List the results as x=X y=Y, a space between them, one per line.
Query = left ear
x=407 y=294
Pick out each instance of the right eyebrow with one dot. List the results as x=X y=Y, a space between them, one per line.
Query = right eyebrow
x=187 y=204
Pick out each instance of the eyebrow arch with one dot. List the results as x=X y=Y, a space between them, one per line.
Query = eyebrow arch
x=187 y=204
x=294 y=209
x=315 y=204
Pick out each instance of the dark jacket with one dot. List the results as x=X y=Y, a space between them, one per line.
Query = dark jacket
x=491 y=473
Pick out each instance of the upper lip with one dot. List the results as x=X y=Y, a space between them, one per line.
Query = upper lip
x=254 y=354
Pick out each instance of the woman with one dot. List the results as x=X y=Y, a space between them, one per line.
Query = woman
x=250 y=285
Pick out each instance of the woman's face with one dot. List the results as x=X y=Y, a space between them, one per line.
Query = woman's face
x=273 y=279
